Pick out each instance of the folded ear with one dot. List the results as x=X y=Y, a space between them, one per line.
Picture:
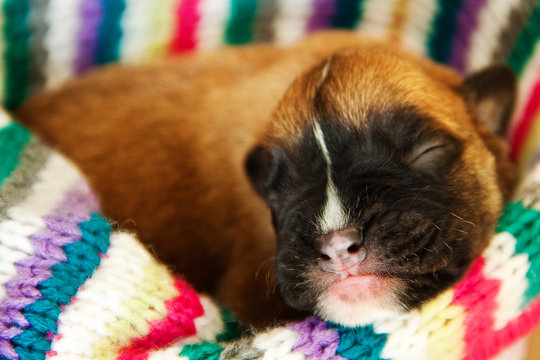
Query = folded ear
x=260 y=167
x=490 y=95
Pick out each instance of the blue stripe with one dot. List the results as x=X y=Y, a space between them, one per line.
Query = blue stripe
x=110 y=31
x=83 y=257
x=348 y=13
x=440 y=41
x=359 y=343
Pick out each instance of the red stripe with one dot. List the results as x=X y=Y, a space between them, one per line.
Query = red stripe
x=179 y=323
x=524 y=125
x=187 y=18
x=478 y=295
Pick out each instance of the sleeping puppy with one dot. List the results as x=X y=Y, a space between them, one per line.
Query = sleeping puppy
x=380 y=175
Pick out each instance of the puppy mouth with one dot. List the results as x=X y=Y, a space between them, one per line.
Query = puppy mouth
x=359 y=299
x=357 y=289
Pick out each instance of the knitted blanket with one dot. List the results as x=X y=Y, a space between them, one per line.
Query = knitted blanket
x=74 y=289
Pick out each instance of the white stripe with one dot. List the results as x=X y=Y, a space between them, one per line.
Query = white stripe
x=510 y=269
x=418 y=23
x=527 y=191
x=291 y=21
x=377 y=18
x=518 y=350
x=61 y=40
x=333 y=217
x=213 y=17
x=14 y=246
x=136 y=23
x=493 y=18
x=277 y=344
x=53 y=181
x=527 y=80
x=5 y=119
x=101 y=300
x=404 y=340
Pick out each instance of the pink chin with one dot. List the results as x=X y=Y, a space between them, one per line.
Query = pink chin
x=361 y=288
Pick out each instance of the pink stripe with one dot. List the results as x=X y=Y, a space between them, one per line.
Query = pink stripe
x=187 y=19
x=178 y=324
x=478 y=295
x=524 y=125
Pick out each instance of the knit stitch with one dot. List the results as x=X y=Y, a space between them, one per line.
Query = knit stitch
x=74 y=289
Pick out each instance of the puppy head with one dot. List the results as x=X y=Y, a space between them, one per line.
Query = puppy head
x=381 y=184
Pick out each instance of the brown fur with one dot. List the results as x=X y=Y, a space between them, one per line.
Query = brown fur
x=164 y=146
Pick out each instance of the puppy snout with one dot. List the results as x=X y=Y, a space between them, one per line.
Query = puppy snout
x=341 y=251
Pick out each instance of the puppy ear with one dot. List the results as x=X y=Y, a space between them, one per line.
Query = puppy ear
x=260 y=168
x=490 y=95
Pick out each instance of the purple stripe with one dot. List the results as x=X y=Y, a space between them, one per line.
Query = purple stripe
x=21 y=290
x=467 y=21
x=323 y=12
x=90 y=14
x=315 y=340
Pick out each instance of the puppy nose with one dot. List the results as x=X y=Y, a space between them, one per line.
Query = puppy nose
x=341 y=250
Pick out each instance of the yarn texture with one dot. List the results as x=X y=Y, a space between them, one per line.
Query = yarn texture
x=73 y=288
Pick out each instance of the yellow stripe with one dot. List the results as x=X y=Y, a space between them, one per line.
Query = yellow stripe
x=400 y=14
x=531 y=146
x=162 y=20
x=138 y=312
x=444 y=324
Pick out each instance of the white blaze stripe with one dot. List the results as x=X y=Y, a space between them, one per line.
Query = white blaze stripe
x=333 y=217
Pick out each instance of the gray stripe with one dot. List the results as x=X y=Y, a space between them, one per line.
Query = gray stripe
x=37 y=23
x=241 y=350
x=517 y=20
x=264 y=23
x=16 y=187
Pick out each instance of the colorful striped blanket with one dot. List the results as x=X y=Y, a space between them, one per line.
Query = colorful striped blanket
x=74 y=289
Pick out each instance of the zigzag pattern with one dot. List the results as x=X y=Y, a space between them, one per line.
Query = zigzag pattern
x=73 y=290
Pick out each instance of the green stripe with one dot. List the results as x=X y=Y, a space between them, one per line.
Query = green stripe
x=348 y=13
x=443 y=28
x=16 y=52
x=231 y=327
x=525 y=43
x=202 y=351
x=239 y=29
x=524 y=225
x=110 y=31
x=13 y=138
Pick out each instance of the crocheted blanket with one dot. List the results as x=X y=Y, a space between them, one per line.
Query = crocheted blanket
x=74 y=289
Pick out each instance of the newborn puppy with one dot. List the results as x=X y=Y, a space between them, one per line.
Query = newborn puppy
x=382 y=173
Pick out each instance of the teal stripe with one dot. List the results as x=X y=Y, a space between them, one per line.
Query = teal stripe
x=202 y=351
x=16 y=53
x=13 y=138
x=239 y=29
x=110 y=31
x=526 y=42
x=440 y=42
x=82 y=259
x=524 y=225
x=359 y=342
x=348 y=13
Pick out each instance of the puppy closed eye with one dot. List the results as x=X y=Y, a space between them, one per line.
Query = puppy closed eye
x=434 y=157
